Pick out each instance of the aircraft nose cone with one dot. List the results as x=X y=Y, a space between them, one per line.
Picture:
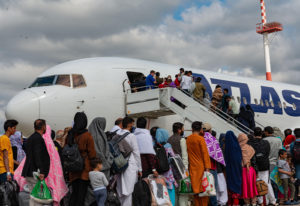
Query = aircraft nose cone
x=24 y=107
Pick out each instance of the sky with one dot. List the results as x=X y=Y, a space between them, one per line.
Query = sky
x=215 y=35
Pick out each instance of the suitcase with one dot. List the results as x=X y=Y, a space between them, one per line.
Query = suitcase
x=178 y=168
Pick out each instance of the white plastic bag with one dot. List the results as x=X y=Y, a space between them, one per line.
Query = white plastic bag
x=159 y=190
x=208 y=185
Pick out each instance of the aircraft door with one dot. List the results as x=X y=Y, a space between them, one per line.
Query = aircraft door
x=136 y=80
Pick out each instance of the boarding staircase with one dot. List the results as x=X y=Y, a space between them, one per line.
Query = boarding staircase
x=155 y=103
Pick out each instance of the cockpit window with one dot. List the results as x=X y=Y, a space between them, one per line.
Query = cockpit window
x=43 y=81
x=78 y=81
x=63 y=80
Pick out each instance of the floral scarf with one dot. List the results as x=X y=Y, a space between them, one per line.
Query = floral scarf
x=55 y=179
x=213 y=148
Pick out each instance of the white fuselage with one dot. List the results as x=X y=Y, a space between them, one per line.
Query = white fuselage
x=106 y=79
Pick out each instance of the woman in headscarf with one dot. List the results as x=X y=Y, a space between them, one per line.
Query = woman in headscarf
x=162 y=137
x=249 y=191
x=288 y=141
x=233 y=159
x=97 y=128
x=55 y=179
x=17 y=144
x=80 y=180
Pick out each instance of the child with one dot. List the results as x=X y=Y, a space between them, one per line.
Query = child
x=98 y=181
x=285 y=175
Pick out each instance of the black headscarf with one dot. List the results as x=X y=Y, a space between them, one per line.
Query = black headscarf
x=222 y=142
x=80 y=123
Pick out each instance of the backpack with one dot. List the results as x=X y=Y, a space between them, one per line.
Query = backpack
x=296 y=152
x=162 y=158
x=9 y=193
x=72 y=160
x=110 y=135
x=141 y=195
x=260 y=156
x=120 y=150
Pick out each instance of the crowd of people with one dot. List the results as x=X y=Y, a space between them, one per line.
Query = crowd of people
x=220 y=101
x=240 y=165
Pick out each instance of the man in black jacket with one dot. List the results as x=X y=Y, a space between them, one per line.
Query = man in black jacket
x=37 y=157
x=262 y=152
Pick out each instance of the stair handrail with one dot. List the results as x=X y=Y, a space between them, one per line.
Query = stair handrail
x=216 y=110
x=222 y=114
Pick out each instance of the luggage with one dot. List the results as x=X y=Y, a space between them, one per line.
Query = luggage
x=162 y=158
x=159 y=191
x=262 y=188
x=9 y=193
x=112 y=196
x=120 y=150
x=41 y=193
x=178 y=168
x=185 y=186
x=296 y=152
x=72 y=160
x=208 y=185
x=24 y=198
x=141 y=195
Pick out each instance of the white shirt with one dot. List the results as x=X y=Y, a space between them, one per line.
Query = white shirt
x=186 y=82
x=234 y=107
x=144 y=140
x=115 y=128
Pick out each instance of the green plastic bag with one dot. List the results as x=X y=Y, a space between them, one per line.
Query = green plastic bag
x=186 y=186
x=41 y=193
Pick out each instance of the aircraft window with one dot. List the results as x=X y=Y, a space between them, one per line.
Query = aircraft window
x=78 y=81
x=63 y=80
x=272 y=104
x=256 y=102
x=244 y=100
x=43 y=81
x=267 y=103
x=261 y=102
x=284 y=105
x=239 y=99
x=279 y=104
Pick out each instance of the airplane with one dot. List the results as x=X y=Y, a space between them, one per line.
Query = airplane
x=98 y=85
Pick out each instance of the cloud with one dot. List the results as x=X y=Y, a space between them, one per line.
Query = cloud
x=209 y=35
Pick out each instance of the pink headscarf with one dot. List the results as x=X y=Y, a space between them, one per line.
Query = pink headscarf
x=55 y=179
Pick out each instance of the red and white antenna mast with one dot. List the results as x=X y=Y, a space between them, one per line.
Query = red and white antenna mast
x=265 y=29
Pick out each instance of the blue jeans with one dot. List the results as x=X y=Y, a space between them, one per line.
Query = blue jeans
x=213 y=199
x=100 y=196
x=3 y=177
